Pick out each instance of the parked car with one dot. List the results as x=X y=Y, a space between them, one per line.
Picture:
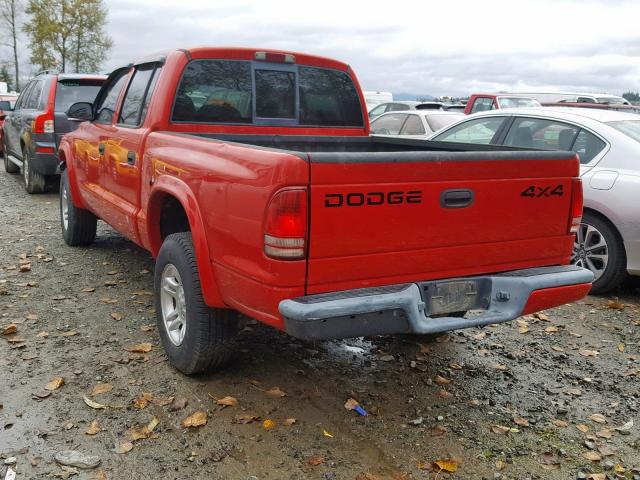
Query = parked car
x=251 y=177
x=404 y=105
x=608 y=144
x=413 y=124
x=7 y=102
x=32 y=132
x=576 y=97
x=483 y=102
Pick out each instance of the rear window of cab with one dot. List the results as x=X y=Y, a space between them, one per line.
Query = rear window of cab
x=245 y=92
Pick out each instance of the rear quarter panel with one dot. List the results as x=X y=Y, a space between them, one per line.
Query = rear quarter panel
x=227 y=186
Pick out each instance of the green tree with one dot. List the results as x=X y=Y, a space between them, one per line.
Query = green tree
x=5 y=76
x=10 y=12
x=632 y=96
x=67 y=33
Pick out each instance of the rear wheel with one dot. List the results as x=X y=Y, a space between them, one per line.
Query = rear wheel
x=195 y=337
x=598 y=248
x=79 y=226
x=9 y=166
x=34 y=181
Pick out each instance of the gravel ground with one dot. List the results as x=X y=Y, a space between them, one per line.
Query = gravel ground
x=551 y=396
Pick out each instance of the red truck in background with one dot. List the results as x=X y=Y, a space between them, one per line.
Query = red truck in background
x=482 y=102
x=251 y=178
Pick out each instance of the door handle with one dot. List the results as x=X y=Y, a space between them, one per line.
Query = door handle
x=101 y=149
x=131 y=157
x=456 y=198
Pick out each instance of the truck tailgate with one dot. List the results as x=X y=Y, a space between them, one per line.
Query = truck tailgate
x=383 y=218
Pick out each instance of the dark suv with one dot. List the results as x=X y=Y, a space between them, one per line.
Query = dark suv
x=33 y=130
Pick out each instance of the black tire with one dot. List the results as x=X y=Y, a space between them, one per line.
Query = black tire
x=81 y=226
x=208 y=340
x=616 y=270
x=34 y=182
x=9 y=166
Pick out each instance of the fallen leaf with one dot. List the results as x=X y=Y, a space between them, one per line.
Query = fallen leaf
x=9 y=329
x=93 y=428
x=621 y=347
x=351 y=404
x=626 y=427
x=588 y=353
x=70 y=333
x=597 y=476
x=518 y=420
x=576 y=392
x=551 y=329
x=326 y=434
x=500 y=366
x=140 y=348
x=88 y=289
x=444 y=394
x=582 y=427
x=500 y=465
x=615 y=305
x=196 y=419
x=315 y=461
x=289 y=421
x=387 y=358
x=123 y=447
x=269 y=424
x=275 y=392
x=479 y=336
x=101 y=388
x=598 y=418
x=502 y=430
x=116 y=316
x=448 y=465
x=593 y=456
x=178 y=404
x=441 y=380
x=228 y=402
x=65 y=473
x=606 y=451
x=92 y=404
x=455 y=366
x=605 y=433
x=143 y=432
x=54 y=384
x=25 y=267
x=541 y=316
x=143 y=400
x=244 y=419
x=560 y=423
x=43 y=334
x=549 y=461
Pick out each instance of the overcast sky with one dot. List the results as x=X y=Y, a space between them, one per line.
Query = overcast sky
x=431 y=47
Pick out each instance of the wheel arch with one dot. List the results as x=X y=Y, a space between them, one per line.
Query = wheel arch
x=172 y=191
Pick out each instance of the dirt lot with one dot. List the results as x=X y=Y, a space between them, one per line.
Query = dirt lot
x=552 y=396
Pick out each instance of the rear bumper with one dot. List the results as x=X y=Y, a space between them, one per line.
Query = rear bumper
x=45 y=163
x=415 y=308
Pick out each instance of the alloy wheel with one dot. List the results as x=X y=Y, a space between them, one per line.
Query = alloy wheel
x=590 y=250
x=173 y=304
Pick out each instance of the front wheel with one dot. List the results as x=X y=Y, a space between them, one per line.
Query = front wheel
x=598 y=248
x=79 y=226
x=196 y=338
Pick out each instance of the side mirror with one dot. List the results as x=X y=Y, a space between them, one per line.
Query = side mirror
x=81 y=111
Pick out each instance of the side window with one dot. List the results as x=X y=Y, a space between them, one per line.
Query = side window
x=106 y=107
x=397 y=107
x=482 y=104
x=478 y=131
x=134 y=99
x=22 y=99
x=413 y=126
x=214 y=91
x=389 y=124
x=34 y=96
x=540 y=133
x=587 y=146
x=379 y=110
x=147 y=99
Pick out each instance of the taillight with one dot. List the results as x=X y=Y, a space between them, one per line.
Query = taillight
x=285 y=226
x=42 y=124
x=575 y=217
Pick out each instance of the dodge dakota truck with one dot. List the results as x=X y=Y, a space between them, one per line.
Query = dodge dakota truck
x=251 y=178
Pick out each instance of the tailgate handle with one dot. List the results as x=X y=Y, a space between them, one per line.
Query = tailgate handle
x=456 y=198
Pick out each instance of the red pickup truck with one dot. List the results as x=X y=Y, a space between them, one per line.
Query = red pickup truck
x=251 y=177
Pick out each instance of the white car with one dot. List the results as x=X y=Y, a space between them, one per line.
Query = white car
x=608 y=145
x=413 y=123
